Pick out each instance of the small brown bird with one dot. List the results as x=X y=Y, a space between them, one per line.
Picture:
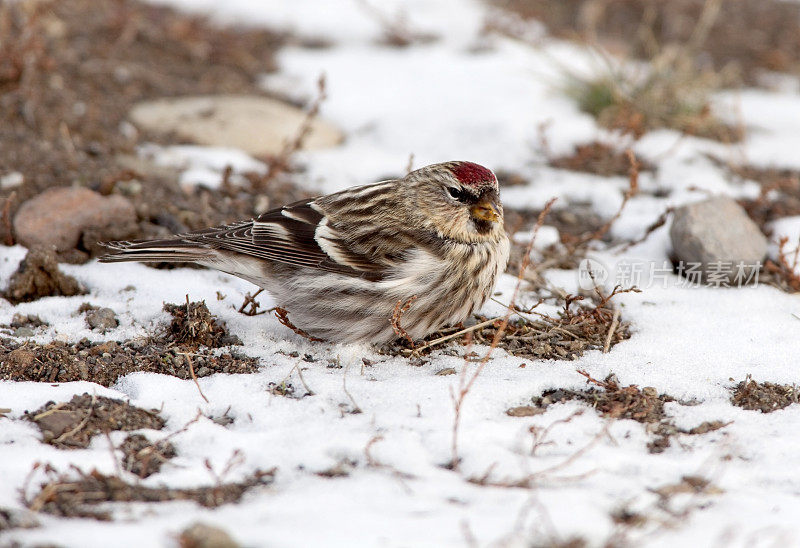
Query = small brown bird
x=340 y=263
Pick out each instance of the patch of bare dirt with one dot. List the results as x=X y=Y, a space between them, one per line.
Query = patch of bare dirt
x=611 y=399
x=187 y=343
x=764 y=396
x=779 y=196
x=576 y=224
x=735 y=38
x=70 y=70
x=72 y=424
x=104 y=363
x=82 y=495
x=143 y=457
x=599 y=159
x=193 y=326
x=38 y=276
x=582 y=325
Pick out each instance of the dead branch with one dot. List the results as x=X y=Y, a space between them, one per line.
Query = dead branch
x=250 y=305
x=465 y=385
x=194 y=377
x=80 y=426
x=283 y=316
x=282 y=162
x=399 y=309
x=633 y=189
x=9 y=240
x=614 y=324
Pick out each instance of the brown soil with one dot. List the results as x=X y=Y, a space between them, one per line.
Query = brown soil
x=737 y=36
x=71 y=425
x=575 y=221
x=186 y=343
x=780 y=193
x=80 y=494
x=104 y=363
x=70 y=70
x=186 y=338
x=38 y=276
x=143 y=458
x=764 y=396
x=578 y=328
x=611 y=399
x=193 y=326
x=599 y=159
x=554 y=339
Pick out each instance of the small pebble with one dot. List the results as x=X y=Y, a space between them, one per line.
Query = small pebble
x=102 y=319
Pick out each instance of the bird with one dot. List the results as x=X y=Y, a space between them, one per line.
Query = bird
x=431 y=244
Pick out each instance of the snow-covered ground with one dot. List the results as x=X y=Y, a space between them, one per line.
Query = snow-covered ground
x=480 y=98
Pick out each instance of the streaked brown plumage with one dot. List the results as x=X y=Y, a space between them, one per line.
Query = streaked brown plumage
x=340 y=263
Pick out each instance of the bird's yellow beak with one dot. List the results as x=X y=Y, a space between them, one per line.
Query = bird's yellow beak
x=486 y=210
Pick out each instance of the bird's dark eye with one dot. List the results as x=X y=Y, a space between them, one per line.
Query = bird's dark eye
x=457 y=193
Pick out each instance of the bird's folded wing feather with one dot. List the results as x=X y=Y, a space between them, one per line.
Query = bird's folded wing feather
x=297 y=234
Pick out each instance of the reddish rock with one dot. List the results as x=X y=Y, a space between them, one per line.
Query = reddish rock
x=58 y=217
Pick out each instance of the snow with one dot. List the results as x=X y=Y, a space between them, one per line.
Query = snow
x=464 y=96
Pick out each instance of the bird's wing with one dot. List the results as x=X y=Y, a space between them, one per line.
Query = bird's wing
x=297 y=234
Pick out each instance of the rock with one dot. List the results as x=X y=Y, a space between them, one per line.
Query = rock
x=717 y=236
x=23 y=332
x=38 y=276
x=524 y=411
x=26 y=320
x=61 y=218
x=200 y=535
x=257 y=125
x=102 y=319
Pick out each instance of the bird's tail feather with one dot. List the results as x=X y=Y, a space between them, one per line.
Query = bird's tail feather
x=170 y=250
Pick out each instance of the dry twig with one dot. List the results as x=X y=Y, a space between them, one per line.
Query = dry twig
x=465 y=385
x=250 y=305
x=194 y=377
x=9 y=241
x=283 y=316
x=399 y=309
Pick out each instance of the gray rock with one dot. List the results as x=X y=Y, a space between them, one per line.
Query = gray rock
x=717 y=235
x=257 y=125
x=201 y=535
x=27 y=320
x=58 y=217
x=102 y=319
x=23 y=332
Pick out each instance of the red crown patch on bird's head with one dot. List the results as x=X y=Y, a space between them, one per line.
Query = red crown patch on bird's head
x=472 y=174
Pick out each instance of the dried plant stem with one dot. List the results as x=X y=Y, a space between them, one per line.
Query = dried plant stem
x=80 y=426
x=253 y=305
x=611 y=330
x=399 y=309
x=9 y=241
x=465 y=384
x=356 y=407
x=283 y=316
x=633 y=189
x=194 y=377
x=446 y=338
